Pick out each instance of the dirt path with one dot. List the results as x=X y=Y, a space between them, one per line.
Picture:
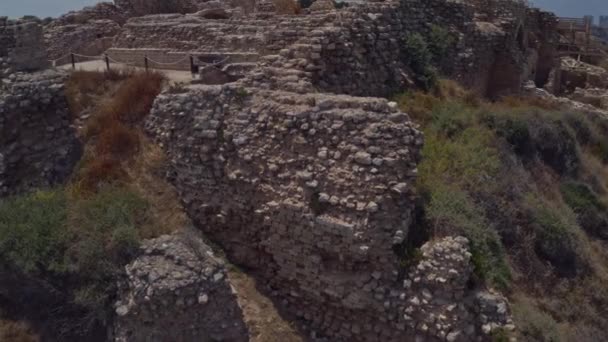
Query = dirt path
x=175 y=76
x=261 y=315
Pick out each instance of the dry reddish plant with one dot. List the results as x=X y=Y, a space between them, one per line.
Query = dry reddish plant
x=117 y=141
x=113 y=128
x=287 y=7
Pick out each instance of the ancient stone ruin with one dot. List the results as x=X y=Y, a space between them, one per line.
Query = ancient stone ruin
x=177 y=291
x=310 y=189
x=20 y=47
x=281 y=156
x=38 y=145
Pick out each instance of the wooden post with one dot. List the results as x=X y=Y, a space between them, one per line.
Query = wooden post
x=107 y=62
x=146 y=62
x=73 y=61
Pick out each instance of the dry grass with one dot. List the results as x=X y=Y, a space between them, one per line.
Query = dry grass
x=130 y=103
x=117 y=141
x=527 y=102
x=84 y=88
x=419 y=105
x=449 y=90
x=11 y=331
x=112 y=133
x=146 y=173
x=117 y=152
x=266 y=324
x=102 y=170
x=595 y=173
x=287 y=7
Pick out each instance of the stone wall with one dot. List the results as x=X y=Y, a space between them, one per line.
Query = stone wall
x=38 y=145
x=181 y=290
x=312 y=192
x=360 y=50
x=89 y=31
x=21 y=46
x=144 y=7
x=91 y=38
x=312 y=189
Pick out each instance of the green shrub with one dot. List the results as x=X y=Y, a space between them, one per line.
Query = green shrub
x=600 y=150
x=590 y=132
x=451 y=211
x=555 y=145
x=419 y=58
x=467 y=159
x=73 y=246
x=513 y=129
x=590 y=211
x=535 y=134
x=418 y=105
x=440 y=41
x=33 y=231
x=534 y=324
x=556 y=239
x=500 y=335
x=452 y=118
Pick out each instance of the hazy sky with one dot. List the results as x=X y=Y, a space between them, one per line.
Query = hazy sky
x=41 y=8
x=45 y=8
x=574 y=8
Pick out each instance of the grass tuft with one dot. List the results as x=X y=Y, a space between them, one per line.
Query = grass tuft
x=16 y=332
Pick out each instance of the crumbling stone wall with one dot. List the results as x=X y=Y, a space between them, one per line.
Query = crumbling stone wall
x=144 y=7
x=311 y=192
x=360 y=50
x=89 y=31
x=20 y=46
x=91 y=38
x=38 y=145
x=181 y=290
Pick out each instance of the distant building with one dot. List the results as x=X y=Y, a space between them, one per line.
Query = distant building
x=604 y=21
x=589 y=19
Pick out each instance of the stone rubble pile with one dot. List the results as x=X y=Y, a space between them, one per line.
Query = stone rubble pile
x=179 y=286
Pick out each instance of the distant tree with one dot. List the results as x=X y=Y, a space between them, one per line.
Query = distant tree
x=31 y=18
x=47 y=20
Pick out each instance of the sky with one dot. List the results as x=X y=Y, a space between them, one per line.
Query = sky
x=53 y=8
x=574 y=8
x=41 y=8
